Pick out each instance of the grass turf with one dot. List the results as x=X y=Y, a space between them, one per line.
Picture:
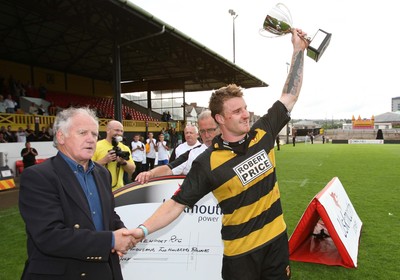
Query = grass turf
x=369 y=173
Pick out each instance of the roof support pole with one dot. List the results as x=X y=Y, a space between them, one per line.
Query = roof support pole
x=117 y=82
x=117 y=72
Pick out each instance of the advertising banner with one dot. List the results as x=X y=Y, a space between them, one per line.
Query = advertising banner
x=189 y=248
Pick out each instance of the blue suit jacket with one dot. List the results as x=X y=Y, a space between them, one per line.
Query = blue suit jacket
x=62 y=241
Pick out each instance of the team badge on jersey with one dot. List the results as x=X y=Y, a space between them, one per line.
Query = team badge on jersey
x=253 y=167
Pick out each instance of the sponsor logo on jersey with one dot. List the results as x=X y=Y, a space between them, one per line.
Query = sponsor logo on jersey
x=253 y=167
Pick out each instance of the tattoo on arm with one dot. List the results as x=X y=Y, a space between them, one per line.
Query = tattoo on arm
x=293 y=82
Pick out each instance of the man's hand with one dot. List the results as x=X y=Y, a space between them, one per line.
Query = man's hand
x=144 y=177
x=137 y=233
x=123 y=241
x=299 y=40
x=109 y=157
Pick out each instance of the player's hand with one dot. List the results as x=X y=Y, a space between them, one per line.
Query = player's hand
x=144 y=177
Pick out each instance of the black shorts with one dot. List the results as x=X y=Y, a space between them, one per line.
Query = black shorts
x=268 y=263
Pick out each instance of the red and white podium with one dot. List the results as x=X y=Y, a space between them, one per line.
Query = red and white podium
x=329 y=230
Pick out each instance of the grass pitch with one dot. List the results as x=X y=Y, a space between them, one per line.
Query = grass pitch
x=370 y=175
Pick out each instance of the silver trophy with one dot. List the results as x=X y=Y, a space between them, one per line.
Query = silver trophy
x=278 y=22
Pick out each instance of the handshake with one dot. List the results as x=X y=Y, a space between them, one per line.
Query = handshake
x=125 y=239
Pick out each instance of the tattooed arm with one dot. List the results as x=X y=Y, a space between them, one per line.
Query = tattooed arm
x=291 y=89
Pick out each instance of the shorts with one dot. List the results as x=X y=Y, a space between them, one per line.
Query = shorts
x=268 y=263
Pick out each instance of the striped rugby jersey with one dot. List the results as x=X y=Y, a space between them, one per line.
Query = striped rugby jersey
x=243 y=180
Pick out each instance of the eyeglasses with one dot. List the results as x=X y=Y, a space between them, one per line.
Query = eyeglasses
x=209 y=130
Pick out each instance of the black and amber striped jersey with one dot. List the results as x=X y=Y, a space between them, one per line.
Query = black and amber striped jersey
x=242 y=177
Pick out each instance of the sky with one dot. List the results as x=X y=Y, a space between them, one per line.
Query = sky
x=355 y=76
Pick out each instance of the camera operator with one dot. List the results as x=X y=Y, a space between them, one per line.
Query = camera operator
x=114 y=155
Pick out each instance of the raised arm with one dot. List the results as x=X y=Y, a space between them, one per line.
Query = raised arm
x=291 y=89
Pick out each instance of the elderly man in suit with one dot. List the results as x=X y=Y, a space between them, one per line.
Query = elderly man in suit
x=67 y=205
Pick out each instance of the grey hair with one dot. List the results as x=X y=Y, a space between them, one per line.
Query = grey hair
x=63 y=120
x=192 y=125
x=204 y=115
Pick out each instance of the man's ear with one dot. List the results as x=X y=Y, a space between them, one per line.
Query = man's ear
x=60 y=137
x=220 y=119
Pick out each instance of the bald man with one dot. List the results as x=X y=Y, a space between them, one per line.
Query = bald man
x=114 y=155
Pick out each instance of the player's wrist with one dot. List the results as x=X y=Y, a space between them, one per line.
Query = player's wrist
x=144 y=229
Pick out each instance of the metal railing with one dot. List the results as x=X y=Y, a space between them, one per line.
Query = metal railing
x=22 y=120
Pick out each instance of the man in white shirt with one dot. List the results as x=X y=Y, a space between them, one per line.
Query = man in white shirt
x=191 y=137
x=162 y=150
x=21 y=135
x=151 y=153
x=33 y=109
x=10 y=104
x=137 y=148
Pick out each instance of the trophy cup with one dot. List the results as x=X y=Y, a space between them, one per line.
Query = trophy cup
x=279 y=22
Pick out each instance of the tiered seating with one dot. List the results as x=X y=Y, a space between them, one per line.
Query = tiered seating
x=102 y=104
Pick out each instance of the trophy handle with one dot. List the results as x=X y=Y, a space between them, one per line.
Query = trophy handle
x=284 y=11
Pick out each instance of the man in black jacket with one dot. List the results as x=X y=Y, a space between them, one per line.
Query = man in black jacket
x=68 y=208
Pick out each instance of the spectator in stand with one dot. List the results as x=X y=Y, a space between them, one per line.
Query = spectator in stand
x=10 y=104
x=128 y=116
x=2 y=139
x=11 y=136
x=151 y=151
x=21 y=135
x=30 y=134
x=28 y=155
x=41 y=110
x=164 y=116
x=191 y=136
x=137 y=148
x=2 y=104
x=100 y=114
x=3 y=131
x=52 y=109
x=50 y=130
x=162 y=149
x=44 y=135
x=33 y=110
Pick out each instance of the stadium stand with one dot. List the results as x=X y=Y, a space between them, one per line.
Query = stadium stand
x=104 y=105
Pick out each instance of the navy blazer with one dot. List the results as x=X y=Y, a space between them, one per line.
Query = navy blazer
x=62 y=241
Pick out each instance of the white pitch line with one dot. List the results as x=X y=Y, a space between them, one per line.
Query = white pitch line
x=304 y=182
